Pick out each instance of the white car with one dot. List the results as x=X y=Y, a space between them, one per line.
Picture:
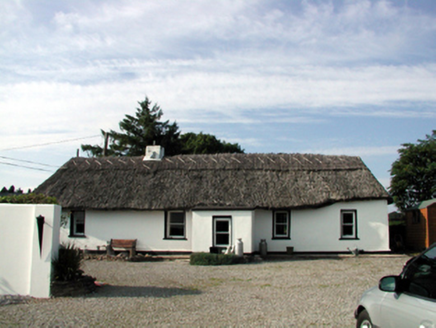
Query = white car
x=407 y=300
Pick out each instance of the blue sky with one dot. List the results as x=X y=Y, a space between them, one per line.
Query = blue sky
x=331 y=77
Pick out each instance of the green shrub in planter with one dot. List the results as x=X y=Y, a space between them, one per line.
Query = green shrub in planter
x=214 y=259
x=67 y=264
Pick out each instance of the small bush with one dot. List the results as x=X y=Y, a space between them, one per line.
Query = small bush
x=67 y=264
x=214 y=259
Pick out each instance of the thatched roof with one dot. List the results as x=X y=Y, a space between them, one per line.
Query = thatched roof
x=236 y=181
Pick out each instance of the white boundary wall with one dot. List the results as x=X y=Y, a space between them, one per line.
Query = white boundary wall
x=24 y=269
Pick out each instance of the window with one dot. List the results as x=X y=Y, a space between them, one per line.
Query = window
x=77 y=224
x=222 y=231
x=175 y=225
x=419 y=275
x=348 y=224
x=416 y=217
x=281 y=225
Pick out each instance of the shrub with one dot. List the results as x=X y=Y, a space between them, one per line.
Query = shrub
x=67 y=264
x=214 y=259
x=28 y=199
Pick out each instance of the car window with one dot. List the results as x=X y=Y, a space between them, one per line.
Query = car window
x=420 y=276
x=431 y=253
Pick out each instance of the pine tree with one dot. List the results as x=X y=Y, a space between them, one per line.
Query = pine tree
x=145 y=129
x=139 y=131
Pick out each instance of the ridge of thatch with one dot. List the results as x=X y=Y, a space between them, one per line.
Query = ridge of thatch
x=245 y=181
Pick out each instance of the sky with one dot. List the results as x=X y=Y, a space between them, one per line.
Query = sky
x=327 y=77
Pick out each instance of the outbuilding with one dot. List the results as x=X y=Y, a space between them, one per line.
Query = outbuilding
x=421 y=225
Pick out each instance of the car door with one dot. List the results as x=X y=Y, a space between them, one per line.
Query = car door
x=414 y=302
x=408 y=311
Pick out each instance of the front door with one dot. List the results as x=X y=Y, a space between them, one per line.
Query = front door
x=222 y=231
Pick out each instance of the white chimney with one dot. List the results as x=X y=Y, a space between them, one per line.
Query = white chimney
x=154 y=153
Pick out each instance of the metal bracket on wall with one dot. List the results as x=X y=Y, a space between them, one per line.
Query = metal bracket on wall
x=40 y=223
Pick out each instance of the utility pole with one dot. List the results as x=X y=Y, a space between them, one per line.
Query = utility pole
x=106 y=139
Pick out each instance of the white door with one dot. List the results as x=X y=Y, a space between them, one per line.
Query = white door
x=222 y=231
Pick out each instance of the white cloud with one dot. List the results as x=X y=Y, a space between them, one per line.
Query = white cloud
x=323 y=33
x=365 y=151
x=186 y=95
x=310 y=88
x=72 y=68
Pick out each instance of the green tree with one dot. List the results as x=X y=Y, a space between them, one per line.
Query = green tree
x=145 y=128
x=206 y=144
x=139 y=131
x=414 y=173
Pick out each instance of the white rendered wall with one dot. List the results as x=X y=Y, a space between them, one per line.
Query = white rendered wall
x=148 y=227
x=25 y=269
x=319 y=230
x=312 y=230
x=202 y=229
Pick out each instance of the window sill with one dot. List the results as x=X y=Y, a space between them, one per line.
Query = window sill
x=175 y=238
x=76 y=236
x=350 y=238
x=281 y=238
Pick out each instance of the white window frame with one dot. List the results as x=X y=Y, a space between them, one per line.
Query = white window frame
x=287 y=224
x=347 y=224
x=77 y=217
x=170 y=224
x=215 y=232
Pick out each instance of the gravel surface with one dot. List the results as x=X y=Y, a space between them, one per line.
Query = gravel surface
x=296 y=293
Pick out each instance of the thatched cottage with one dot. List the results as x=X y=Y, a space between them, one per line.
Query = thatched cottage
x=189 y=203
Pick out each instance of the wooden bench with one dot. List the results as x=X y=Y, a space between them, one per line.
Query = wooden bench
x=125 y=244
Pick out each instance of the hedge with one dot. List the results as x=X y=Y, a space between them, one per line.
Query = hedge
x=28 y=199
x=214 y=259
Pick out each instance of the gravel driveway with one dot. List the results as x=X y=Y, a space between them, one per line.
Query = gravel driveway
x=297 y=293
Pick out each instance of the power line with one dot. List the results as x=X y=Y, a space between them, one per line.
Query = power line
x=36 y=163
x=25 y=166
x=24 y=161
x=51 y=143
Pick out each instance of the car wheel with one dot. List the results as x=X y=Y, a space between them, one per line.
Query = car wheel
x=363 y=320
